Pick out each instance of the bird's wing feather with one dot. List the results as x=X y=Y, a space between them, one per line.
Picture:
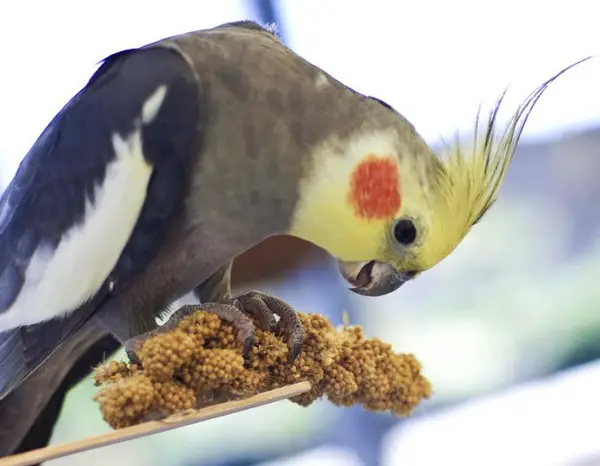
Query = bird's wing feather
x=24 y=349
x=143 y=102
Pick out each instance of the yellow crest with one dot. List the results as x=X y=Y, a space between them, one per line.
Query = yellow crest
x=467 y=181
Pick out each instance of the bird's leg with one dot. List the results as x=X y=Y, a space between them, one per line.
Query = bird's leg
x=264 y=307
x=130 y=328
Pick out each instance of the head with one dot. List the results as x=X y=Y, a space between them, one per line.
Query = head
x=388 y=208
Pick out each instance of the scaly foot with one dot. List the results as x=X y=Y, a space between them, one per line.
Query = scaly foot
x=265 y=307
x=228 y=312
x=237 y=310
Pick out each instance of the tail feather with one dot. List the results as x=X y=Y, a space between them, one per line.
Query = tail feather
x=13 y=363
x=24 y=349
x=28 y=414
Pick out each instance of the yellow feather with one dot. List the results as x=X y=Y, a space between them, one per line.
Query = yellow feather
x=323 y=215
x=468 y=180
x=445 y=195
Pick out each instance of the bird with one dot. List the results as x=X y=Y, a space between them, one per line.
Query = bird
x=180 y=155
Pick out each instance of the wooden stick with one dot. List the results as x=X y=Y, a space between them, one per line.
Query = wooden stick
x=152 y=427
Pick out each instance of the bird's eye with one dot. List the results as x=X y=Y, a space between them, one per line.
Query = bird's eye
x=405 y=232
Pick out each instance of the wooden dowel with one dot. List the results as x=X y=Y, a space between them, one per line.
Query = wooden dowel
x=152 y=427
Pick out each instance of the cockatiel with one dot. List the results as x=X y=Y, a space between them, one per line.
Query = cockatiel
x=178 y=156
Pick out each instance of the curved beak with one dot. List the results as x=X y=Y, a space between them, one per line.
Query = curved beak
x=373 y=278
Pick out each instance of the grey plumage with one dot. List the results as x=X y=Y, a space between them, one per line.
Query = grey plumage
x=228 y=147
x=265 y=112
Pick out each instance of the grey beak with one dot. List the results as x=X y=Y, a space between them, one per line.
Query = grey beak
x=373 y=278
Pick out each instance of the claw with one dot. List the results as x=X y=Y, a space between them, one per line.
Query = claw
x=134 y=345
x=133 y=357
x=240 y=321
x=295 y=339
x=264 y=307
x=295 y=350
x=248 y=343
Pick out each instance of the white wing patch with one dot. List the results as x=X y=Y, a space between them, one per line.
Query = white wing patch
x=59 y=281
x=152 y=105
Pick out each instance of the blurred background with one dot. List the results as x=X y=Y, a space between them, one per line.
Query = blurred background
x=507 y=327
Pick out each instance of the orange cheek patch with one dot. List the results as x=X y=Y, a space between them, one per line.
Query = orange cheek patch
x=374 y=188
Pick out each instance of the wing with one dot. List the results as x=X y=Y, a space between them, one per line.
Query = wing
x=92 y=201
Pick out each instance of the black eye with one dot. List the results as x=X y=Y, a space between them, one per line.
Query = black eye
x=405 y=232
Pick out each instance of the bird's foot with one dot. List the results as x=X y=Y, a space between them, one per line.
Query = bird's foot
x=237 y=310
x=264 y=308
x=241 y=322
